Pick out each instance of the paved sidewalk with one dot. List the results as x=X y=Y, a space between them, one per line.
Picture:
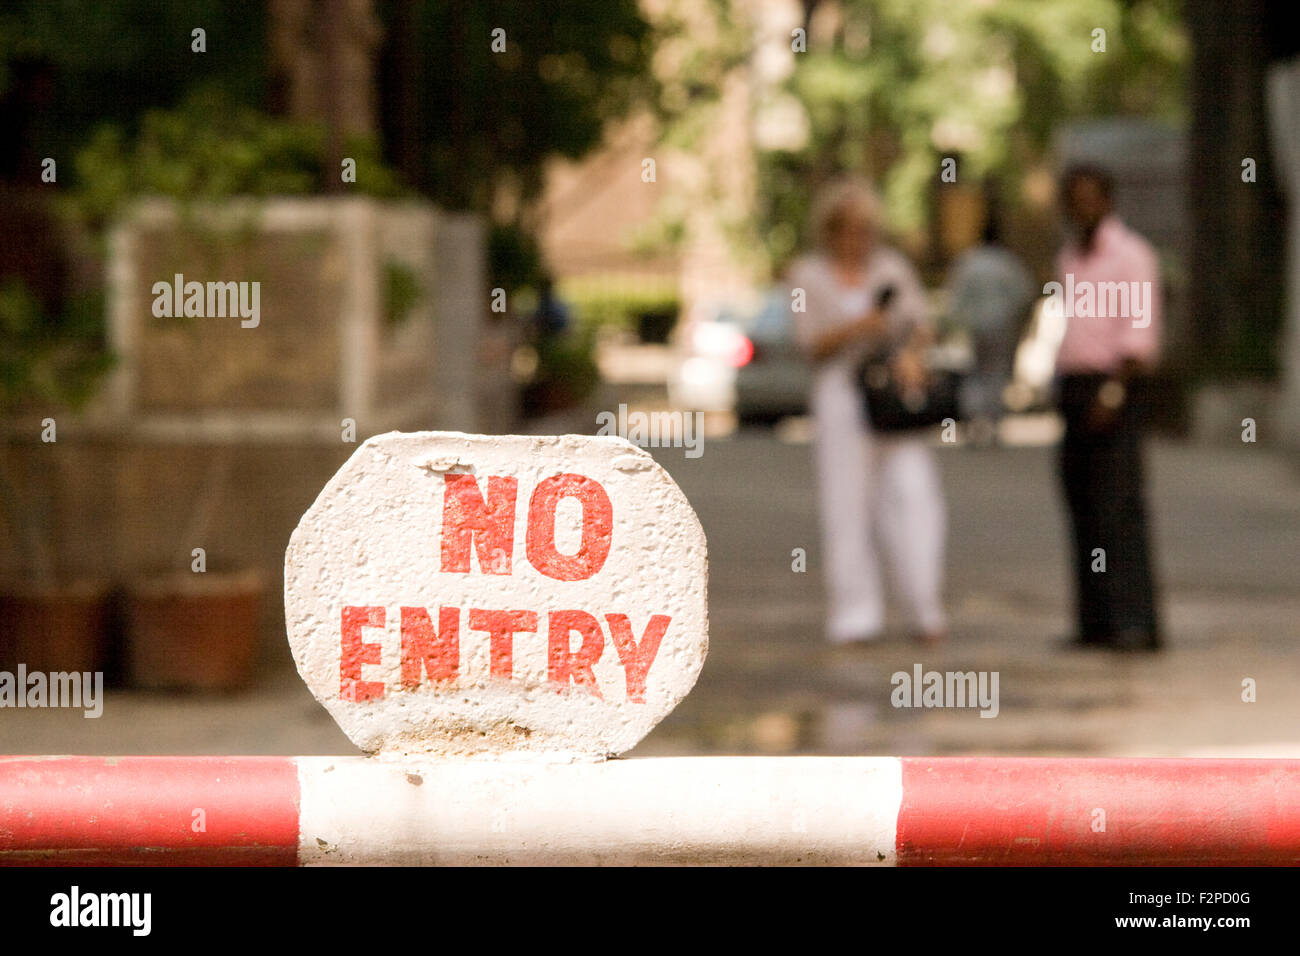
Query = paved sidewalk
x=1228 y=537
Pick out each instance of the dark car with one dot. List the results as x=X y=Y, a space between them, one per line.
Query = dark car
x=774 y=382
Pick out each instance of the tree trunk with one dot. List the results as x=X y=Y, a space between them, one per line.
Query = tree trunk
x=1237 y=227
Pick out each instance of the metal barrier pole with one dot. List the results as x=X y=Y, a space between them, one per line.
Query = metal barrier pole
x=689 y=810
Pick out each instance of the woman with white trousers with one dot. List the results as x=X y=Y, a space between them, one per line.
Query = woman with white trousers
x=875 y=487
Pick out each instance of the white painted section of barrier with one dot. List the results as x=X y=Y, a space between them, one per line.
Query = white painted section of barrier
x=694 y=810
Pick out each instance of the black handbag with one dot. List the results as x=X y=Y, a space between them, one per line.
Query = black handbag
x=892 y=409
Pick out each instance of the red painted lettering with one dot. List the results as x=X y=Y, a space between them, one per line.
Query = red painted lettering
x=565 y=664
x=597 y=524
x=502 y=627
x=489 y=525
x=637 y=658
x=354 y=652
x=424 y=649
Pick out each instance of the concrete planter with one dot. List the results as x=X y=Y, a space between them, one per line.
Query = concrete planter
x=189 y=631
x=369 y=311
x=53 y=628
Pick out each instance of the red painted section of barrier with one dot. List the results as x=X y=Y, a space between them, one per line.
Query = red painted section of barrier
x=178 y=811
x=1031 y=811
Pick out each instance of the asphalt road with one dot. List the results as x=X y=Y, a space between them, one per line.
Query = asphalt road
x=1227 y=531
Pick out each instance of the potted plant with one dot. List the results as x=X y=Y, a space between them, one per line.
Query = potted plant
x=189 y=631
x=195 y=628
x=566 y=373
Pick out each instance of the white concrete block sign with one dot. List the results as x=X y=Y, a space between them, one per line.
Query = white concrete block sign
x=464 y=594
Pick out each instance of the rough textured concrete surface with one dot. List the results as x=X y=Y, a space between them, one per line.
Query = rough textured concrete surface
x=463 y=594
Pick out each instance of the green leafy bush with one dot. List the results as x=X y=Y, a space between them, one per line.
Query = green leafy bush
x=209 y=149
x=53 y=359
x=617 y=302
x=401 y=292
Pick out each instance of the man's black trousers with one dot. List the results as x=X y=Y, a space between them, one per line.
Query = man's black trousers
x=1101 y=472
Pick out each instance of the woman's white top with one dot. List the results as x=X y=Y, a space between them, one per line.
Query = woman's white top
x=828 y=304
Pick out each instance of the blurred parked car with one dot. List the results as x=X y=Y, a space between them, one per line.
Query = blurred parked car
x=709 y=352
x=774 y=382
x=743 y=359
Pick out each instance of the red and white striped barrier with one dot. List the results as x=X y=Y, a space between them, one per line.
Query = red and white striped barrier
x=780 y=810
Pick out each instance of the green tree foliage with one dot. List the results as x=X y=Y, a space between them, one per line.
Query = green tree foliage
x=891 y=87
x=461 y=122
x=473 y=127
x=488 y=121
x=69 y=66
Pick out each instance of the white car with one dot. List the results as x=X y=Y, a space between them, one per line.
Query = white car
x=743 y=359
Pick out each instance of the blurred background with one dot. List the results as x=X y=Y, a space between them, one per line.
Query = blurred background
x=511 y=217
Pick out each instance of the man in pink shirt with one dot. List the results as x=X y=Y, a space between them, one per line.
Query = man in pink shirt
x=1109 y=290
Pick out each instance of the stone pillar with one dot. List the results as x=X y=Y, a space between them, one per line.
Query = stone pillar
x=1284 y=124
x=460 y=304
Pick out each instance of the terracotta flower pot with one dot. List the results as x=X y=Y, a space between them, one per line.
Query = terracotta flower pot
x=53 y=627
x=192 y=631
